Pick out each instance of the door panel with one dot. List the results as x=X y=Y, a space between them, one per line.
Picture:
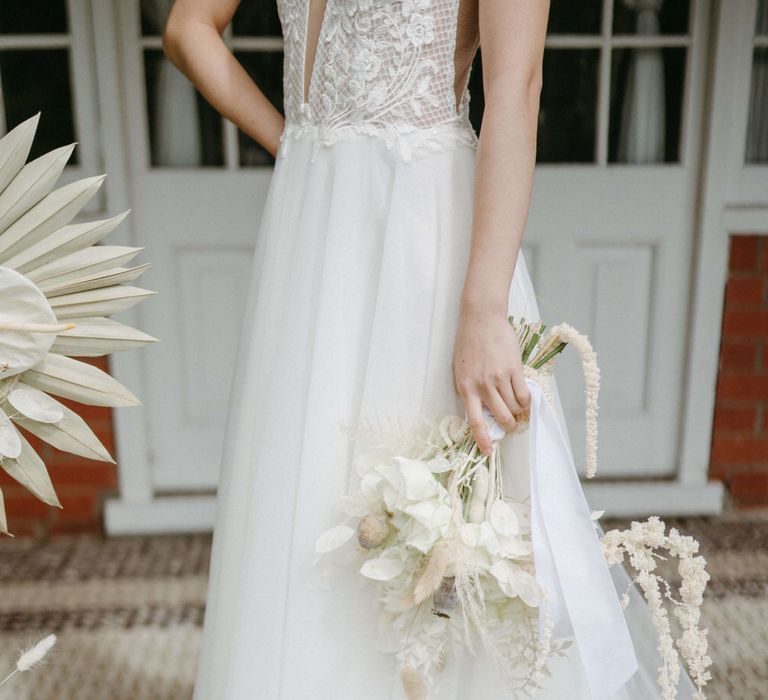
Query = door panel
x=198 y=188
x=613 y=223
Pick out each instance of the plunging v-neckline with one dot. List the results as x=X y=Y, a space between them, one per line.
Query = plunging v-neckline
x=308 y=68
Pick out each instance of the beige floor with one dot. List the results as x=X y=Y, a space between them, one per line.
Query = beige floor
x=128 y=612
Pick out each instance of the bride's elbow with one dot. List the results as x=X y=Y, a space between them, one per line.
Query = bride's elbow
x=517 y=91
x=173 y=39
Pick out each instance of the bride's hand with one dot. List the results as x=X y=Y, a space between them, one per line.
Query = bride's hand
x=488 y=369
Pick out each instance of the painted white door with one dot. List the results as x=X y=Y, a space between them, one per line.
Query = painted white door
x=610 y=243
x=612 y=223
x=196 y=187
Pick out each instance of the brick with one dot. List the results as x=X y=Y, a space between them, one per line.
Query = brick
x=745 y=251
x=719 y=471
x=741 y=450
x=734 y=419
x=742 y=387
x=750 y=323
x=738 y=356
x=748 y=290
x=80 y=506
x=25 y=506
x=90 y=414
x=749 y=485
x=88 y=474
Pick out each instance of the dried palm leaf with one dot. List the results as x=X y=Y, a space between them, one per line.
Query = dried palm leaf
x=57 y=288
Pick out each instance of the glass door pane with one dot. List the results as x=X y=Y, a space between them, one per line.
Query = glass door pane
x=35 y=72
x=757 y=129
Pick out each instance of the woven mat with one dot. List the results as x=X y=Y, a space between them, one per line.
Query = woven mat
x=128 y=612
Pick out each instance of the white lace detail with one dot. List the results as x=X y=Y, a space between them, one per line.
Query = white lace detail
x=383 y=68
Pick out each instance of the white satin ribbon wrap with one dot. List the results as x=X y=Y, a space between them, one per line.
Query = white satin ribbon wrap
x=569 y=562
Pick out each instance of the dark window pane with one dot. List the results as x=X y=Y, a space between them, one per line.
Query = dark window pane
x=647 y=87
x=575 y=16
x=38 y=81
x=567 y=117
x=153 y=16
x=266 y=69
x=184 y=130
x=256 y=18
x=757 y=132
x=761 y=25
x=671 y=18
x=33 y=17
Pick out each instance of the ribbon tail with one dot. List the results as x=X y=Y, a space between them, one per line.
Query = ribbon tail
x=568 y=557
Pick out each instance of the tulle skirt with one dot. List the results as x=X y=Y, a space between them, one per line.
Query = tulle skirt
x=352 y=311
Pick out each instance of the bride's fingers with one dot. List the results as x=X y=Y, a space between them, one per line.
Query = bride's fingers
x=508 y=396
x=477 y=424
x=520 y=387
x=501 y=412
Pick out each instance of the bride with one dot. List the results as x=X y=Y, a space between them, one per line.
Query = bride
x=387 y=261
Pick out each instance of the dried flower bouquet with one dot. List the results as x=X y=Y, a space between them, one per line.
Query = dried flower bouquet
x=450 y=554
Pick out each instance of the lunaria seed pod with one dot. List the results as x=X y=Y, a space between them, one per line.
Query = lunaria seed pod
x=446 y=597
x=372 y=530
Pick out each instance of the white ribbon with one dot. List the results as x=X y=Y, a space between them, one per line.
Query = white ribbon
x=568 y=557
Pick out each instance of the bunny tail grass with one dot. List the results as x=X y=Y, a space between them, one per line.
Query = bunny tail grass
x=32 y=657
x=413 y=684
x=430 y=578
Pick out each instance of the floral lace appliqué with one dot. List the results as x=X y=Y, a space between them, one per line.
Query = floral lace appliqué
x=382 y=67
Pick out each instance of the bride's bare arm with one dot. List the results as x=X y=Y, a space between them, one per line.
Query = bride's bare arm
x=192 y=41
x=486 y=361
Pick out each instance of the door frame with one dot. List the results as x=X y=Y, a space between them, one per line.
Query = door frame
x=138 y=509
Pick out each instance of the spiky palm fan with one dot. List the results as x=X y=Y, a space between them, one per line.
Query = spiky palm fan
x=57 y=288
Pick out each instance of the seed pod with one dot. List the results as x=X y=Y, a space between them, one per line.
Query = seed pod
x=372 y=530
x=446 y=597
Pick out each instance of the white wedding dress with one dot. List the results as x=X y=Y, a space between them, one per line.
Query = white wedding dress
x=352 y=311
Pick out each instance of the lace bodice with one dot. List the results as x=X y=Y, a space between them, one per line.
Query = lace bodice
x=381 y=67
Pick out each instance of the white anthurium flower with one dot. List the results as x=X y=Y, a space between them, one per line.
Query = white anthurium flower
x=10 y=440
x=501 y=545
x=24 y=314
x=418 y=481
x=390 y=485
x=333 y=538
x=503 y=519
x=370 y=485
x=432 y=514
x=439 y=464
x=384 y=567
x=35 y=404
x=514 y=581
x=406 y=481
x=420 y=536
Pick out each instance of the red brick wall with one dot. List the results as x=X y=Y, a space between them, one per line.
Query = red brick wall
x=81 y=484
x=740 y=431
